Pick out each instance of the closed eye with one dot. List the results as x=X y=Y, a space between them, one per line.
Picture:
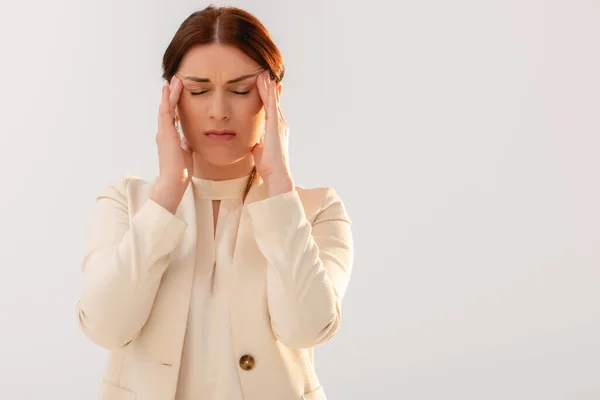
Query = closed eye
x=239 y=93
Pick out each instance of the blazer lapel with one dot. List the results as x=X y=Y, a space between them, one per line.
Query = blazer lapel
x=186 y=250
x=163 y=335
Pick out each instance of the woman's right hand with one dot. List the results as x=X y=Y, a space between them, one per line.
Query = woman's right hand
x=174 y=153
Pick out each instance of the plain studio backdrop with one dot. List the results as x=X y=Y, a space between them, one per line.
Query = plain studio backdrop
x=463 y=137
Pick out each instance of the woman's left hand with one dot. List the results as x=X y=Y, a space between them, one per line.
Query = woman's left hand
x=271 y=153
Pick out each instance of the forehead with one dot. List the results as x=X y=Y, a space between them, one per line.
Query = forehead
x=217 y=61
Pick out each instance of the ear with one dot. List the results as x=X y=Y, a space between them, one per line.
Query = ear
x=279 y=89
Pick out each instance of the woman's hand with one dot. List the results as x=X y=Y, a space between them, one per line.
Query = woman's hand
x=271 y=153
x=174 y=153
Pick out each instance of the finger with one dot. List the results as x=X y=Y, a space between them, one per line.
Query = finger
x=280 y=113
x=278 y=90
x=271 y=99
x=176 y=88
x=165 y=116
x=261 y=83
x=257 y=151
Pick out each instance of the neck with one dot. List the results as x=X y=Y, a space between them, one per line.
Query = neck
x=206 y=170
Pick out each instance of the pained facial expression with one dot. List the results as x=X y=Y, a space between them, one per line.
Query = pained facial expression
x=218 y=103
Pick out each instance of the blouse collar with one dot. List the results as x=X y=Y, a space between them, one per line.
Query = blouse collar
x=219 y=190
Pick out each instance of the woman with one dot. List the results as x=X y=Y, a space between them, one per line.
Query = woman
x=216 y=279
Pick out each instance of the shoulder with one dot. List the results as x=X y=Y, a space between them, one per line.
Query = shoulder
x=322 y=200
x=122 y=187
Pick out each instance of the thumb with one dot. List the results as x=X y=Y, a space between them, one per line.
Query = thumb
x=185 y=145
x=257 y=151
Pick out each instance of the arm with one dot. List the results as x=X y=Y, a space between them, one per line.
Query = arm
x=123 y=264
x=309 y=266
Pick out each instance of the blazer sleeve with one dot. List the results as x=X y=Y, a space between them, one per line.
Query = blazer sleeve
x=124 y=259
x=309 y=265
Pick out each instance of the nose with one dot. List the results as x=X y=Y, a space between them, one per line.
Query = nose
x=219 y=109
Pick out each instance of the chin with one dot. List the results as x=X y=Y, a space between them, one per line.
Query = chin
x=223 y=156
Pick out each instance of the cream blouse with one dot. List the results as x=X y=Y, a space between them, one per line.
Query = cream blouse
x=209 y=368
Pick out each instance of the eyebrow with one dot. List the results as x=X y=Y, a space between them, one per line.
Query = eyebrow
x=235 y=80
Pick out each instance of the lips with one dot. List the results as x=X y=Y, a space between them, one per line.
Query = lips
x=220 y=134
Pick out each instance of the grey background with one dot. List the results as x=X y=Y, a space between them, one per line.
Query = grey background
x=463 y=137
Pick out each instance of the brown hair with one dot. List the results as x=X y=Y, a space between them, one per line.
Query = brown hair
x=227 y=26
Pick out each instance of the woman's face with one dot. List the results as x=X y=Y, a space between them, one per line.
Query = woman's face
x=220 y=93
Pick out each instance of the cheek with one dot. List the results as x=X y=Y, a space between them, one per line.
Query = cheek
x=189 y=108
x=251 y=106
x=258 y=122
x=253 y=111
x=252 y=115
